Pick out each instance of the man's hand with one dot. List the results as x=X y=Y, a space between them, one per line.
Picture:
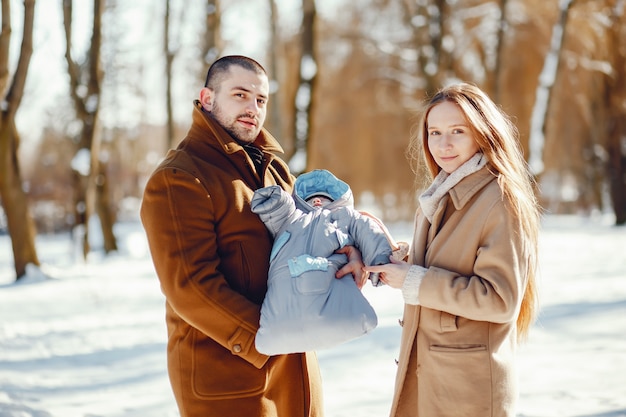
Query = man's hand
x=354 y=266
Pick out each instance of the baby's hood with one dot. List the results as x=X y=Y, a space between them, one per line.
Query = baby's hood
x=321 y=181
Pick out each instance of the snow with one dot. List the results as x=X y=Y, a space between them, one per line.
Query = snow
x=87 y=339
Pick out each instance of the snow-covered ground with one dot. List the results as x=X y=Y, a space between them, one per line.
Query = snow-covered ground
x=91 y=341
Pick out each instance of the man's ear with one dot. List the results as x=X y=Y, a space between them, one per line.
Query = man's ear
x=206 y=99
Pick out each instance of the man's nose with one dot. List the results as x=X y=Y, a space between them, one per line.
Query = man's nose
x=252 y=107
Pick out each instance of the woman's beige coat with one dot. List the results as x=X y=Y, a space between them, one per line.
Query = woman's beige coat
x=211 y=254
x=457 y=349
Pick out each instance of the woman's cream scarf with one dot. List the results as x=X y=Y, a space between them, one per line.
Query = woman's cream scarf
x=443 y=182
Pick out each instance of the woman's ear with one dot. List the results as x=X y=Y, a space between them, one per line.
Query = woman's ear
x=206 y=98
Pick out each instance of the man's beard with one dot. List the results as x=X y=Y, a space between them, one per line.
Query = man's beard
x=239 y=133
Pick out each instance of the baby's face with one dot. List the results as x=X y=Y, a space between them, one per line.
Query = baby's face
x=319 y=201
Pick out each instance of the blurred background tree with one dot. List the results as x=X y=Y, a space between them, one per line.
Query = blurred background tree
x=347 y=82
x=13 y=192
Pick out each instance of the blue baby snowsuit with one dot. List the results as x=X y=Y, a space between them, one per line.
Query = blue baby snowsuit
x=306 y=308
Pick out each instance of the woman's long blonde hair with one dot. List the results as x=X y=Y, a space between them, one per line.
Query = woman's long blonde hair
x=497 y=138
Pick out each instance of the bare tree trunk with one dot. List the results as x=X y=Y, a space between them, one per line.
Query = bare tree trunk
x=493 y=74
x=103 y=209
x=19 y=221
x=5 y=45
x=433 y=61
x=211 y=41
x=547 y=78
x=85 y=83
x=308 y=75
x=615 y=103
x=169 y=59
x=617 y=168
x=274 y=123
x=14 y=201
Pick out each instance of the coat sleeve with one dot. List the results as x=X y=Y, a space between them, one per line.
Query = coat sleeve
x=369 y=237
x=274 y=207
x=178 y=218
x=493 y=289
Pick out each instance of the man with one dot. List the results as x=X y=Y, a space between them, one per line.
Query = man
x=211 y=254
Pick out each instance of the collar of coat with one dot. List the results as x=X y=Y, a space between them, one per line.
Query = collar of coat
x=465 y=190
x=202 y=122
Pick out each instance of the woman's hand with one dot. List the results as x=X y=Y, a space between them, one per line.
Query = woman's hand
x=354 y=266
x=392 y=274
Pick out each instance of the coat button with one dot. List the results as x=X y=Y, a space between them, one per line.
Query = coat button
x=237 y=348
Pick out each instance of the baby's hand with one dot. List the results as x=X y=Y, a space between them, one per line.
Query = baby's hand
x=401 y=254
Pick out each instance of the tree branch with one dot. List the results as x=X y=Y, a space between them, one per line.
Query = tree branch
x=73 y=69
x=5 y=43
x=16 y=91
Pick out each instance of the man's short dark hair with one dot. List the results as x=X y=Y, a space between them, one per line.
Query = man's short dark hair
x=221 y=67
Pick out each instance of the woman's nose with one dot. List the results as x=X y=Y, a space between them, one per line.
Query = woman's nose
x=444 y=141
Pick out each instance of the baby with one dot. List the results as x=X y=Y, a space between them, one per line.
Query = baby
x=306 y=308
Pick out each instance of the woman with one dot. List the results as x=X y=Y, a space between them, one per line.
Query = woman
x=469 y=286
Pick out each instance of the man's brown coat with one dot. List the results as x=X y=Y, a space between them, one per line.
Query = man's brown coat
x=211 y=254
